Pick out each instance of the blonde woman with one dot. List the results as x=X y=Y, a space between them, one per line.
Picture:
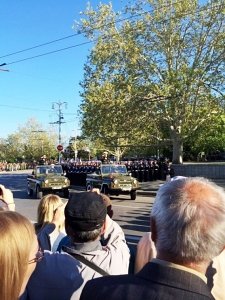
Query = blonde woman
x=49 y=233
x=19 y=253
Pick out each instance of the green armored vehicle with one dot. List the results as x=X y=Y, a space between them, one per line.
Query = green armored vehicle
x=47 y=179
x=113 y=180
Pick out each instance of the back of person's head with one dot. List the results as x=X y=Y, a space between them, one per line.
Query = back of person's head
x=46 y=209
x=16 y=239
x=85 y=215
x=189 y=217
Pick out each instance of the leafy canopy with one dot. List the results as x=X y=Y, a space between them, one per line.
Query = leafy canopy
x=156 y=75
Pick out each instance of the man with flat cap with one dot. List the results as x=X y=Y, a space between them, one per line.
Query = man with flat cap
x=63 y=275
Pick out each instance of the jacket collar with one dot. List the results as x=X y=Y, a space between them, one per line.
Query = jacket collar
x=176 y=278
x=83 y=247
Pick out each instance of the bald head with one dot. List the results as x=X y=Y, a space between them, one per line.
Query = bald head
x=189 y=214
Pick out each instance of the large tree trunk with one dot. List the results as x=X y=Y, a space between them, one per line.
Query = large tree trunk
x=177 y=147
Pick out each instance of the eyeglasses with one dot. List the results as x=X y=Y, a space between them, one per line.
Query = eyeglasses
x=38 y=256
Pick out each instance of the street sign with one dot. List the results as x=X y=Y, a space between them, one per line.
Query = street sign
x=59 y=147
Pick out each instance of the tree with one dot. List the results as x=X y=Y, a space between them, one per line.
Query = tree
x=31 y=142
x=79 y=147
x=2 y=149
x=209 y=139
x=156 y=76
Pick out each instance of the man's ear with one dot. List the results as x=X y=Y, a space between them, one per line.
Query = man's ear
x=153 y=230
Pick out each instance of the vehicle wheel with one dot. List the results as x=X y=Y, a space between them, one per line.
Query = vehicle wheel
x=88 y=187
x=133 y=195
x=66 y=193
x=39 y=193
x=29 y=191
x=105 y=190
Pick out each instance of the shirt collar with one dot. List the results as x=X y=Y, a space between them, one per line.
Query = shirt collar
x=180 y=267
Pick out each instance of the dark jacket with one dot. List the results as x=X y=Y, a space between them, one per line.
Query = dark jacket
x=154 y=281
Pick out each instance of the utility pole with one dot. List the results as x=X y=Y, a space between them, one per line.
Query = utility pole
x=58 y=107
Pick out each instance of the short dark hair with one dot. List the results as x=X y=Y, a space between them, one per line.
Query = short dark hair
x=85 y=236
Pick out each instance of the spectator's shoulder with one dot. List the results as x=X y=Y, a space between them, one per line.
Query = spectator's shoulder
x=103 y=287
x=56 y=268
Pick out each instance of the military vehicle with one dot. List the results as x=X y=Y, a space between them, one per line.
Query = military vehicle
x=47 y=179
x=113 y=179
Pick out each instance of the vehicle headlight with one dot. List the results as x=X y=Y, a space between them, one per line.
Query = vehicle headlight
x=115 y=181
x=66 y=180
x=46 y=181
x=135 y=181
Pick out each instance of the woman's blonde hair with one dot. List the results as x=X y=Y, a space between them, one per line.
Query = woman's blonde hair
x=46 y=209
x=16 y=238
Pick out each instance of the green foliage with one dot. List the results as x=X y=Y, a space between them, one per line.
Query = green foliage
x=156 y=76
x=208 y=139
x=30 y=142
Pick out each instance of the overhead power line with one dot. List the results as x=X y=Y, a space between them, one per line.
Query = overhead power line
x=73 y=35
x=51 y=52
x=85 y=31
x=31 y=109
x=92 y=41
x=40 y=45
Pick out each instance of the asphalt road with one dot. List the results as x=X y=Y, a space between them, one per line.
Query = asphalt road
x=133 y=216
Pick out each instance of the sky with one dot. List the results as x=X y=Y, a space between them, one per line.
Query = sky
x=29 y=88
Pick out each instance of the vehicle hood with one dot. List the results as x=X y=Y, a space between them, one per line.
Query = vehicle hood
x=53 y=177
x=120 y=177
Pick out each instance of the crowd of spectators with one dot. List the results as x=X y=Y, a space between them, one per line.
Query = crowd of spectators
x=182 y=257
x=6 y=166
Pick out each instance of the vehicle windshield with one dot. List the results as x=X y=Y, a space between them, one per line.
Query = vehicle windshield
x=114 y=169
x=50 y=170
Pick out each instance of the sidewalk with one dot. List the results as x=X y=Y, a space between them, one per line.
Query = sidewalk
x=151 y=187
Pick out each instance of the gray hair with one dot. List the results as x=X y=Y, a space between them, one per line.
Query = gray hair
x=189 y=214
